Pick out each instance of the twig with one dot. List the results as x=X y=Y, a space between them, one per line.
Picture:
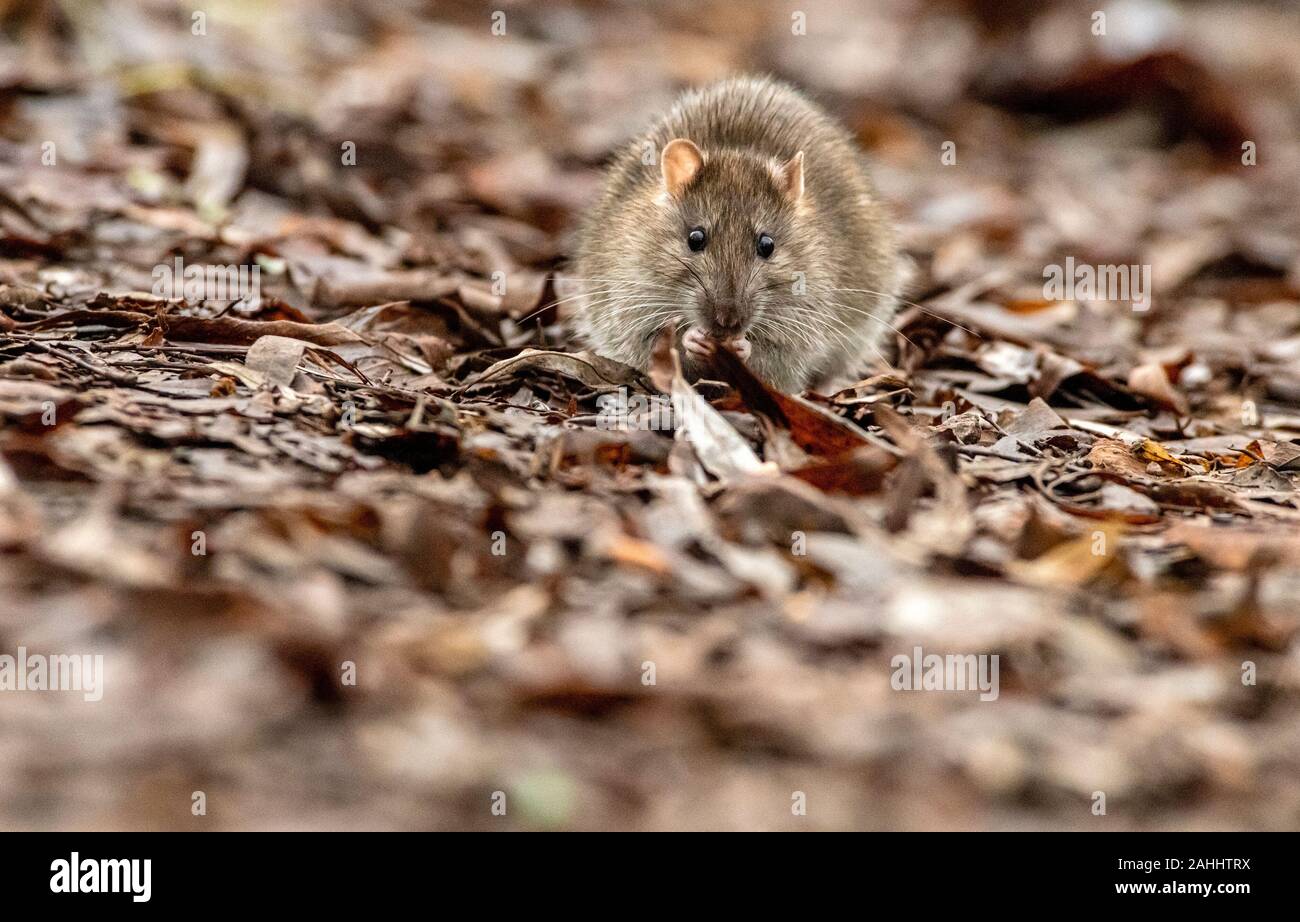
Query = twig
x=121 y=379
x=982 y=452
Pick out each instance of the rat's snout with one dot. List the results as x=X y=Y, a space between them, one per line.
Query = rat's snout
x=725 y=318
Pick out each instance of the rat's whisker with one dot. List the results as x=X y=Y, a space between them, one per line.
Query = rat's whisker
x=557 y=303
x=807 y=332
x=638 y=305
x=651 y=323
x=785 y=335
x=691 y=270
x=656 y=311
x=878 y=319
x=628 y=288
x=919 y=307
x=853 y=342
x=625 y=283
x=818 y=318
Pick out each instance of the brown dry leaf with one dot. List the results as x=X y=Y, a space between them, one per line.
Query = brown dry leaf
x=1151 y=451
x=233 y=331
x=636 y=553
x=1113 y=455
x=275 y=359
x=856 y=473
x=1152 y=382
x=948 y=526
x=585 y=367
x=815 y=430
x=1075 y=562
x=722 y=450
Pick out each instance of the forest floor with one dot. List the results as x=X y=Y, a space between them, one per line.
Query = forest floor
x=359 y=551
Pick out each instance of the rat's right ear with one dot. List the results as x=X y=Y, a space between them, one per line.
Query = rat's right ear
x=680 y=163
x=790 y=177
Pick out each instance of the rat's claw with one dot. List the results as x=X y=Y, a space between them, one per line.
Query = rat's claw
x=741 y=347
x=697 y=342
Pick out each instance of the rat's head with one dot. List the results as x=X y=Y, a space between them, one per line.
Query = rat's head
x=729 y=228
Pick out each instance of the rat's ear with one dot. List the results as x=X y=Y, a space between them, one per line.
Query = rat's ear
x=789 y=177
x=681 y=161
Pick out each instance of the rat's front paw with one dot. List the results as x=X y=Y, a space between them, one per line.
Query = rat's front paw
x=697 y=342
x=700 y=343
x=741 y=347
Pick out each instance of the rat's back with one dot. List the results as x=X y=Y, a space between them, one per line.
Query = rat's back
x=763 y=116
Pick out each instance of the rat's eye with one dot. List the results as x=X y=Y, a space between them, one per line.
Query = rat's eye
x=766 y=245
x=696 y=239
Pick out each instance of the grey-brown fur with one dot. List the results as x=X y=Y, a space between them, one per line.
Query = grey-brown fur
x=633 y=255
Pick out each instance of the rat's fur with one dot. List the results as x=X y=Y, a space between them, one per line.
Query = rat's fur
x=638 y=273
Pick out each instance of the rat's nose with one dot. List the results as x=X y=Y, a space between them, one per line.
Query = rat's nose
x=728 y=318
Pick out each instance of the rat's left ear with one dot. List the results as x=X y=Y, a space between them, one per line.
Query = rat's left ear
x=680 y=163
x=789 y=176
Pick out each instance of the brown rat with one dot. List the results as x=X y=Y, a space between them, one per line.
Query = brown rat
x=746 y=216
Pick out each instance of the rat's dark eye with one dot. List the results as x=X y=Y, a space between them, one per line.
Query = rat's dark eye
x=766 y=245
x=696 y=239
